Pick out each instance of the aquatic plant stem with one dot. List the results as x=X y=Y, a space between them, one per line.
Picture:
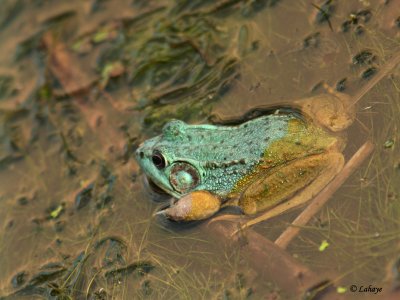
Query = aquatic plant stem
x=319 y=201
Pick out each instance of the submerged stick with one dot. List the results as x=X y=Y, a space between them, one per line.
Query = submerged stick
x=319 y=201
x=267 y=259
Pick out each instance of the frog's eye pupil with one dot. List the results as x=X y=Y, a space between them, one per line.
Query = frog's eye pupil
x=158 y=160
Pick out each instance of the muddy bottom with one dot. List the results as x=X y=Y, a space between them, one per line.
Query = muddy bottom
x=83 y=83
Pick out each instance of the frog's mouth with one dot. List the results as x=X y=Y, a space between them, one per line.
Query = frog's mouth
x=153 y=186
x=159 y=189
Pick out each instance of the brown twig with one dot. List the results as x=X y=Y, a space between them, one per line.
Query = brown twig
x=319 y=201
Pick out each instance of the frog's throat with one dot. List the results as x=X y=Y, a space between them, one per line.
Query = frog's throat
x=301 y=140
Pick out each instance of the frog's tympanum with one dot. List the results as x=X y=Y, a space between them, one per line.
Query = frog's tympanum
x=265 y=165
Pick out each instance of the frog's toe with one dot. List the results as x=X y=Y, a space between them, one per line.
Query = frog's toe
x=198 y=205
x=229 y=218
x=242 y=227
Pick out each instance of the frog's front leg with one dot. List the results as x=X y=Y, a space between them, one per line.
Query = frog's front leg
x=197 y=205
x=290 y=186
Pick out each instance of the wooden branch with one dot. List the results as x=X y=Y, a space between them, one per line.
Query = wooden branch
x=319 y=201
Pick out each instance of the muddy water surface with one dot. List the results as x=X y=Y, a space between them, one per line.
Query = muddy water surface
x=82 y=83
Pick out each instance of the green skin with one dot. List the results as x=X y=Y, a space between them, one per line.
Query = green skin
x=208 y=157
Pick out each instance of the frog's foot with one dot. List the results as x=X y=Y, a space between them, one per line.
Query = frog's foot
x=331 y=90
x=198 y=205
x=305 y=177
x=332 y=110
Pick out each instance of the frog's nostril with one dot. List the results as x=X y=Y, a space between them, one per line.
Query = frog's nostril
x=139 y=153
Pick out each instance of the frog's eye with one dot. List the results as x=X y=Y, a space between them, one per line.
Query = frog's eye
x=158 y=160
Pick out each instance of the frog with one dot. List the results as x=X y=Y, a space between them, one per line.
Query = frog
x=263 y=166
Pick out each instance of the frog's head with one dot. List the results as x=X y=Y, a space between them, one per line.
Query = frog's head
x=159 y=158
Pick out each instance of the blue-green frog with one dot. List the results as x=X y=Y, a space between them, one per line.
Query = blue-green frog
x=266 y=165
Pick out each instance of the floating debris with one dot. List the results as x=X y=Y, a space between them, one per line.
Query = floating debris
x=341 y=85
x=19 y=279
x=363 y=57
x=359 y=30
x=141 y=268
x=106 y=33
x=323 y=246
x=397 y=22
x=368 y=73
x=364 y=16
x=388 y=144
x=356 y=19
x=312 y=40
x=7 y=88
x=55 y=213
x=111 y=70
x=84 y=196
x=325 y=12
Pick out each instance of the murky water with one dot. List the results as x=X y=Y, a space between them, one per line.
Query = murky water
x=82 y=83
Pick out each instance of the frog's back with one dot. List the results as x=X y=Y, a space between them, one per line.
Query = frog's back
x=227 y=153
x=245 y=142
x=300 y=139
